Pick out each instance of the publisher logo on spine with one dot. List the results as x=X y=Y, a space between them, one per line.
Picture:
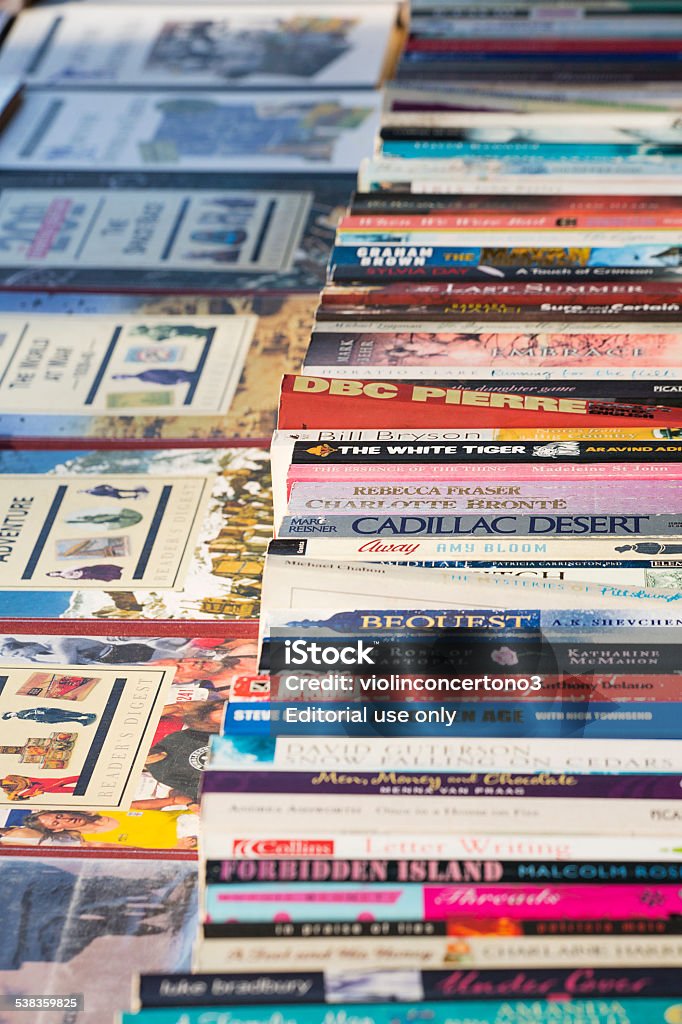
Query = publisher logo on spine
x=283 y=848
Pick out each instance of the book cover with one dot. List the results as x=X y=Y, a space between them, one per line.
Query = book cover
x=120 y=534
x=76 y=740
x=136 y=787
x=233 y=46
x=374 y=717
x=410 y=138
x=160 y=232
x=308 y=132
x=113 y=377
x=85 y=926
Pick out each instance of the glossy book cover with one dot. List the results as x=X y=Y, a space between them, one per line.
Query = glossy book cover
x=155 y=231
x=134 y=535
x=142 y=371
x=120 y=790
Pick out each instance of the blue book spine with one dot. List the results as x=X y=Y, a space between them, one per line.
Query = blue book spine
x=391 y=255
x=458 y=719
x=583 y=151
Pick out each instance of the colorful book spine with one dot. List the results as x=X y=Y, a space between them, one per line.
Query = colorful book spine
x=329 y=986
x=243 y=872
x=326 y=403
x=592 y=1011
x=373 y=717
x=394 y=945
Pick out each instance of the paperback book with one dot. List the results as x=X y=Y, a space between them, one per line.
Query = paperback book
x=160 y=232
x=309 y=403
x=601 y=1011
x=292 y=132
x=233 y=45
x=104 y=758
x=120 y=534
x=166 y=377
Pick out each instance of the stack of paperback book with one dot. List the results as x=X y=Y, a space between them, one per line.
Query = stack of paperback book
x=451 y=791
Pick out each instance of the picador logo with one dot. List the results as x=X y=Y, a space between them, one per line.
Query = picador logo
x=556 y=449
x=323 y=450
